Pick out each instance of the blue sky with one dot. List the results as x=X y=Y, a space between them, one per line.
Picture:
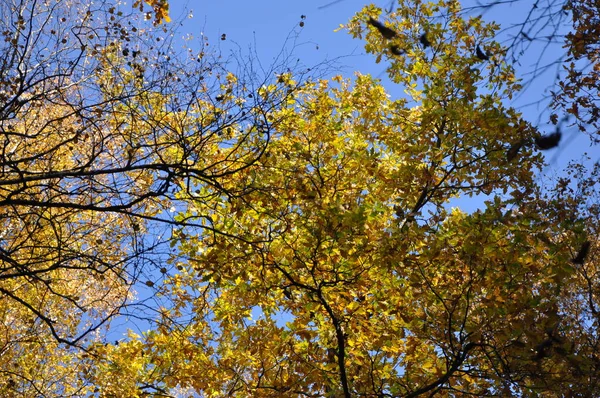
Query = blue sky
x=266 y=26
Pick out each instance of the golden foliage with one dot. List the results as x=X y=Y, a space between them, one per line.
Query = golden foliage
x=314 y=249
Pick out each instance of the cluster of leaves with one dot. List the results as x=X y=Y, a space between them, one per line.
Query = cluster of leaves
x=558 y=40
x=578 y=92
x=313 y=249
x=101 y=126
x=343 y=273
x=160 y=8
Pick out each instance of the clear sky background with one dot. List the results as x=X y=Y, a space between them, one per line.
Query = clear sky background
x=266 y=25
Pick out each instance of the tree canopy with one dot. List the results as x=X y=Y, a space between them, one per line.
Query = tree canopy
x=296 y=234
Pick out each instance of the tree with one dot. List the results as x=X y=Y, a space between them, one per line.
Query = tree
x=313 y=250
x=554 y=41
x=343 y=272
x=578 y=93
x=102 y=124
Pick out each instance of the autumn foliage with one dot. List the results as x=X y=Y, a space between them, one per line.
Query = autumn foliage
x=296 y=236
x=578 y=93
